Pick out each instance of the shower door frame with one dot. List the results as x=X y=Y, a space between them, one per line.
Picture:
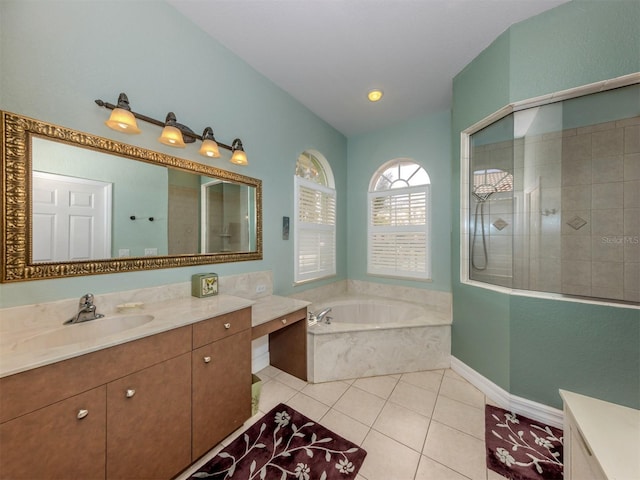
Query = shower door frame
x=465 y=168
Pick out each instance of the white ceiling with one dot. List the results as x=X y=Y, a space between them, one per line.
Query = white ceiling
x=328 y=54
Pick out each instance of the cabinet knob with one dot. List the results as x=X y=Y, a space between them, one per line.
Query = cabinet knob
x=227 y=326
x=284 y=321
x=207 y=359
x=82 y=413
x=130 y=393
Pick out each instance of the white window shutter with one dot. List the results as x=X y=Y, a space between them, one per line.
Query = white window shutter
x=399 y=233
x=315 y=231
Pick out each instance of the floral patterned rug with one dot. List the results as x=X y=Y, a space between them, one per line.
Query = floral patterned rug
x=519 y=448
x=283 y=445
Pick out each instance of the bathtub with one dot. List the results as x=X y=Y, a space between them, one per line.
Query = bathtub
x=371 y=336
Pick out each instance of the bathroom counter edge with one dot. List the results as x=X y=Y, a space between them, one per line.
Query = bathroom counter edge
x=168 y=315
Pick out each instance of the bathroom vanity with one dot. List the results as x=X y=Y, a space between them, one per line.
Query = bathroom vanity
x=165 y=391
x=168 y=397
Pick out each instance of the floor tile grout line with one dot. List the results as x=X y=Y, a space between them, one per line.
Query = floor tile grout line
x=387 y=401
x=424 y=442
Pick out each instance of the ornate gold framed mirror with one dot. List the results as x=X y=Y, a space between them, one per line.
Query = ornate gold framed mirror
x=79 y=204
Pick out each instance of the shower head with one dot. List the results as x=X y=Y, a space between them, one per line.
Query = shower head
x=483 y=191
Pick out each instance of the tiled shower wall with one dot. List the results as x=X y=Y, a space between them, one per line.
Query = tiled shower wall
x=601 y=210
x=572 y=223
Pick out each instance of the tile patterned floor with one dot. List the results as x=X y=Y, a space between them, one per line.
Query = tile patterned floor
x=415 y=426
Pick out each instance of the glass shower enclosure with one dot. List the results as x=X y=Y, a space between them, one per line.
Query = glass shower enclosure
x=554 y=198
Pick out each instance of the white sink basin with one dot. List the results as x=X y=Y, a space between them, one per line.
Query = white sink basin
x=82 y=332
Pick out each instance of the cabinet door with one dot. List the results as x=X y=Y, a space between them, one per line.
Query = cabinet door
x=63 y=440
x=221 y=391
x=581 y=465
x=149 y=421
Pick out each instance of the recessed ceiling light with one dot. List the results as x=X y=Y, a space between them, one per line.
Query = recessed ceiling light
x=374 y=95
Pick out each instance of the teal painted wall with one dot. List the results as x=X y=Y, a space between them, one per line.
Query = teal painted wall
x=59 y=56
x=550 y=344
x=426 y=141
x=480 y=330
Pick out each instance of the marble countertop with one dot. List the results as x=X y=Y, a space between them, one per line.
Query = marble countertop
x=32 y=342
x=267 y=308
x=611 y=431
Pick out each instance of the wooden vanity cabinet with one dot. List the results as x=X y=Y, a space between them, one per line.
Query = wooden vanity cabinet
x=44 y=435
x=149 y=422
x=63 y=440
x=140 y=410
x=221 y=379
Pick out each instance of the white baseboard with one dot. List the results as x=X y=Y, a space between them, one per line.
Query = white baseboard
x=502 y=398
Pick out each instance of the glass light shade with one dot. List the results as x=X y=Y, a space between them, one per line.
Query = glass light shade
x=209 y=148
x=239 y=157
x=122 y=120
x=172 y=136
x=375 y=95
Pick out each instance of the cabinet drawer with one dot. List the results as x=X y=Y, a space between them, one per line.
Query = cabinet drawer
x=27 y=391
x=278 y=323
x=220 y=327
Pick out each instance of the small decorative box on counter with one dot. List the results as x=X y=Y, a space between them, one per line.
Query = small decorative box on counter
x=204 y=284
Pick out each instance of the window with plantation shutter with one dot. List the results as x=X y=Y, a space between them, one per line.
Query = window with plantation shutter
x=398 y=222
x=315 y=222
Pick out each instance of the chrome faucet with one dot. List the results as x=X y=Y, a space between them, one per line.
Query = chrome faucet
x=86 y=310
x=324 y=315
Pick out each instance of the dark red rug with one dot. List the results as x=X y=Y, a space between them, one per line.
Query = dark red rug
x=284 y=444
x=519 y=448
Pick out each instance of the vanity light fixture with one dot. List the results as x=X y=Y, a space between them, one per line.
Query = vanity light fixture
x=209 y=146
x=174 y=134
x=238 y=157
x=121 y=119
x=171 y=135
x=375 y=95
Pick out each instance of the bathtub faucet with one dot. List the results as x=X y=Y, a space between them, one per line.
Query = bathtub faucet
x=324 y=315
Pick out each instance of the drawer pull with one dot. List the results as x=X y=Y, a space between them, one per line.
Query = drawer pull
x=227 y=326
x=284 y=321
x=82 y=413
x=207 y=359
x=130 y=393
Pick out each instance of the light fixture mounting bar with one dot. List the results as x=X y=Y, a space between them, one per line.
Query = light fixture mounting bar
x=144 y=118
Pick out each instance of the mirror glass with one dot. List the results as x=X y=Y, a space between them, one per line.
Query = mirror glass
x=93 y=205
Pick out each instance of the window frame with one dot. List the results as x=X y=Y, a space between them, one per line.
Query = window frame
x=303 y=230
x=422 y=229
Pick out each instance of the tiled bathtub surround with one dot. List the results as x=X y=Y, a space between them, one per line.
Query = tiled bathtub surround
x=436 y=300
x=378 y=329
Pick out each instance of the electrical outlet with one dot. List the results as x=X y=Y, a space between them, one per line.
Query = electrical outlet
x=124 y=252
x=150 y=251
x=261 y=288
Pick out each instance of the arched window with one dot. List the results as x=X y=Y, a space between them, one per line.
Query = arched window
x=315 y=218
x=399 y=243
